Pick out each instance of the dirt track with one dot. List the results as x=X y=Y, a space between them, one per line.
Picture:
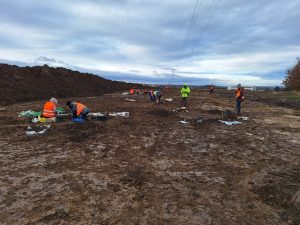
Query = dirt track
x=150 y=169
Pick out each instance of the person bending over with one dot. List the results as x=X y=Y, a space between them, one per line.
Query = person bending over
x=78 y=109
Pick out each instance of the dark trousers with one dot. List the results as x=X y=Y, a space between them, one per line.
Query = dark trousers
x=84 y=113
x=184 y=101
x=238 y=106
x=152 y=98
x=158 y=98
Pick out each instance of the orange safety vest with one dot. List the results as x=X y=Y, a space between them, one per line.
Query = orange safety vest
x=49 y=110
x=79 y=107
x=238 y=94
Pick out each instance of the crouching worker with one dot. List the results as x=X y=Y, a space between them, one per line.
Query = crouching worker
x=49 y=111
x=78 y=110
x=158 y=96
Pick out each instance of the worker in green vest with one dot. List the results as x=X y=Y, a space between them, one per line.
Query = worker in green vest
x=185 y=91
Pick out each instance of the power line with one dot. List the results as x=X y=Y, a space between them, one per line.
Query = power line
x=196 y=11
x=210 y=19
x=209 y=16
x=189 y=28
x=194 y=15
x=201 y=16
x=195 y=20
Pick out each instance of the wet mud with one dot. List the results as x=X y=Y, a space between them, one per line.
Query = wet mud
x=151 y=169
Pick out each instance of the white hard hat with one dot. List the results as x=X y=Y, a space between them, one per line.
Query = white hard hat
x=54 y=100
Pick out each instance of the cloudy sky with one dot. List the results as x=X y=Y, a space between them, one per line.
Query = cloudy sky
x=198 y=41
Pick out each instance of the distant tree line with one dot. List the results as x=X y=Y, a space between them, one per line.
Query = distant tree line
x=292 y=79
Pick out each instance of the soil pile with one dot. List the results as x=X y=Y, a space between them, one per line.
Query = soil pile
x=42 y=82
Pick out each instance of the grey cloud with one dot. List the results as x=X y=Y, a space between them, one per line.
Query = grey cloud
x=95 y=29
x=51 y=61
x=45 y=59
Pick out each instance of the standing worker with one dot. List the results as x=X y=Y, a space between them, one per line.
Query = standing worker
x=239 y=97
x=49 y=111
x=211 y=89
x=185 y=91
x=78 y=110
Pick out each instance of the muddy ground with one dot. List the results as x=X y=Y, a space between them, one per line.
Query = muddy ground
x=150 y=169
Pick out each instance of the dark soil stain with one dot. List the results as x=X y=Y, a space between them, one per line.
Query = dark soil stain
x=161 y=113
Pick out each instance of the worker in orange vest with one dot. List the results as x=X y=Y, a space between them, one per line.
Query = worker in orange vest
x=78 y=110
x=239 y=97
x=131 y=91
x=49 y=111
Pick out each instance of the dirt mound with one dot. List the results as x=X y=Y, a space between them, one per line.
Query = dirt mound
x=42 y=82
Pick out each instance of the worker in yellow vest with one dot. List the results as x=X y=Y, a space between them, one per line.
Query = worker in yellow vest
x=185 y=91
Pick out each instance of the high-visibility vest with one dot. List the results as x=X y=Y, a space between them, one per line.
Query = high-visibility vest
x=49 y=110
x=185 y=92
x=238 y=94
x=79 y=108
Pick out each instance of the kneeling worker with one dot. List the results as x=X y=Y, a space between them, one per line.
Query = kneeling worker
x=78 y=110
x=49 y=111
x=158 y=96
